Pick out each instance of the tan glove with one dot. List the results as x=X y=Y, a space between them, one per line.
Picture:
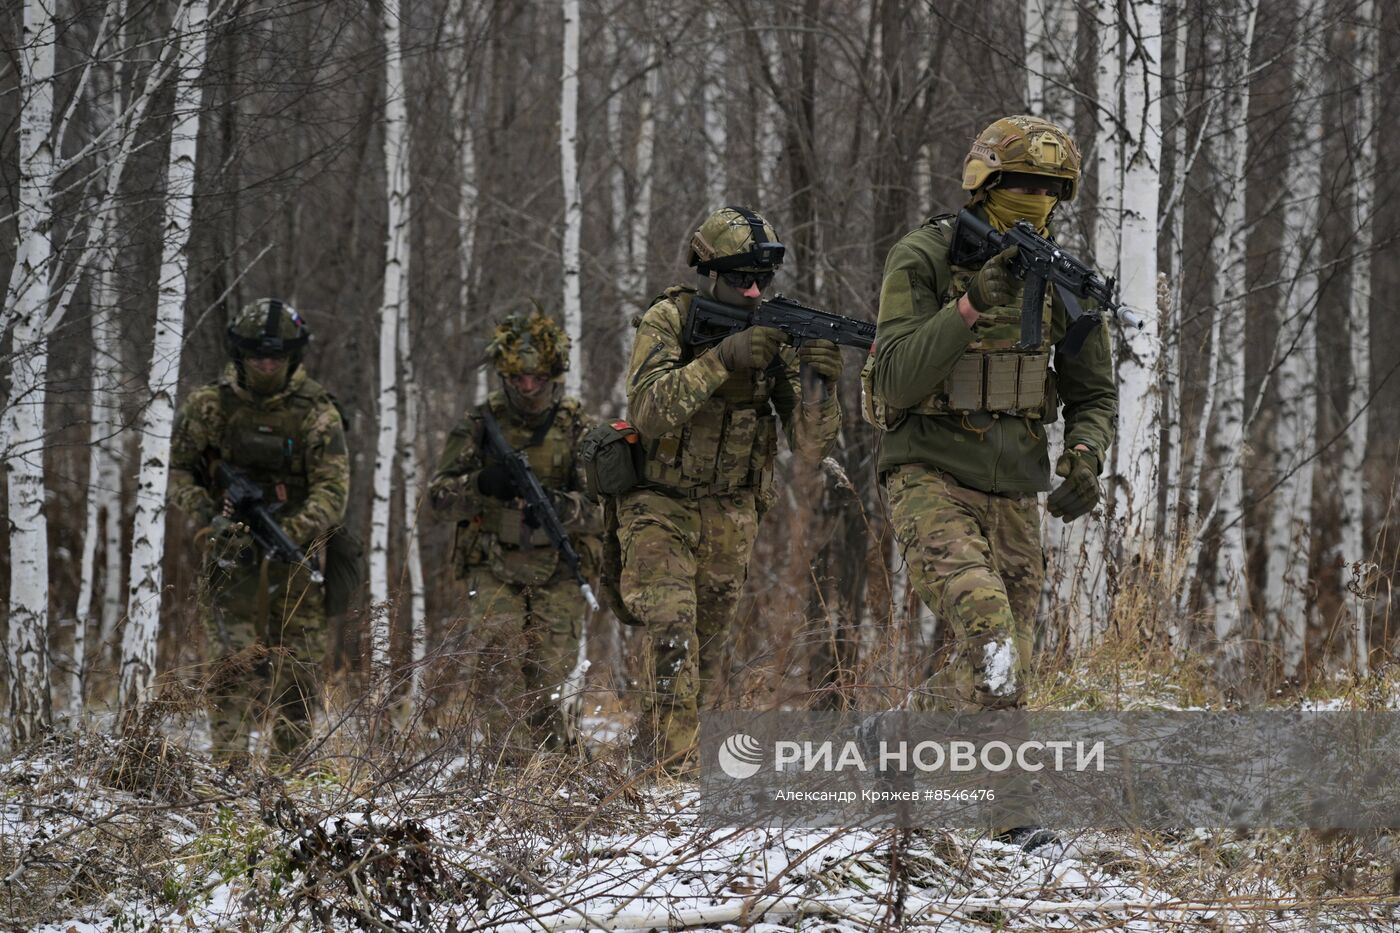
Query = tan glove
x=753 y=348
x=995 y=283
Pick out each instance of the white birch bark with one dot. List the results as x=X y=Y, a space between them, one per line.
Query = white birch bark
x=1050 y=28
x=1229 y=591
x=387 y=398
x=1288 y=536
x=459 y=23
x=573 y=200
x=638 y=222
x=138 y=651
x=1173 y=347
x=1139 y=363
x=770 y=123
x=617 y=173
x=26 y=301
x=1081 y=547
x=712 y=72
x=1351 y=545
x=410 y=469
x=102 y=512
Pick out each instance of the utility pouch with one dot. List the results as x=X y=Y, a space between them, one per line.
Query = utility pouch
x=965 y=383
x=611 y=454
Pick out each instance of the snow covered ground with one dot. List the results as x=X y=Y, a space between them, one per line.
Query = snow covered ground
x=105 y=834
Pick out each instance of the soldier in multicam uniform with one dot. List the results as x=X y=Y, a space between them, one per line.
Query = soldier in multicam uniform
x=521 y=583
x=964 y=409
x=708 y=426
x=278 y=426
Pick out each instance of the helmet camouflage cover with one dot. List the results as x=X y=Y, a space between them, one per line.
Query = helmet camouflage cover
x=1022 y=145
x=531 y=343
x=735 y=239
x=268 y=327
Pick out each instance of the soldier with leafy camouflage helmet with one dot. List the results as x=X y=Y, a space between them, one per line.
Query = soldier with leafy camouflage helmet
x=708 y=420
x=522 y=588
x=280 y=428
x=964 y=407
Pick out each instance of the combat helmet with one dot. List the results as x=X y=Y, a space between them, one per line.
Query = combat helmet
x=1018 y=146
x=268 y=327
x=532 y=343
x=735 y=239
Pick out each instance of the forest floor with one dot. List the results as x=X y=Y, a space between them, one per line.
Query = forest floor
x=135 y=832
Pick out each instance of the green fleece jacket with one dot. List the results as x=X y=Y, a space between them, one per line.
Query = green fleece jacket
x=919 y=337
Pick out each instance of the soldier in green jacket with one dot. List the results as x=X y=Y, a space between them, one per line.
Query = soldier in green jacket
x=279 y=427
x=964 y=408
x=708 y=420
x=521 y=585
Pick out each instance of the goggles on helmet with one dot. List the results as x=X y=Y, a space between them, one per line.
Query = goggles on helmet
x=762 y=254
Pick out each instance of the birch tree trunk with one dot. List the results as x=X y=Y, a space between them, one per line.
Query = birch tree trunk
x=573 y=202
x=1230 y=594
x=1351 y=546
x=138 y=652
x=1081 y=546
x=387 y=399
x=26 y=306
x=1139 y=362
x=103 y=509
x=1288 y=537
x=1174 y=401
x=639 y=217
x=716 y=128
x=409 y=468
x=1050 y=29
x=459 y=28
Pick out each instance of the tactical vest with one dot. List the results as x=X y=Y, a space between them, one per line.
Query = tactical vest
x=993 y=375
x=268 y=445
x=729 y=444
x=551 y=455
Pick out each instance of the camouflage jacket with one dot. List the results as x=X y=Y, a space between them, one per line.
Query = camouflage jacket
x=920 y=336
x=667 y=390
x=292 y=443
x=487 y=528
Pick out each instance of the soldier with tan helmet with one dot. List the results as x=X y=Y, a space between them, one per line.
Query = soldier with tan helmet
x=964 y=408
x=520 y=584
x=281 y=429
x=708 y=419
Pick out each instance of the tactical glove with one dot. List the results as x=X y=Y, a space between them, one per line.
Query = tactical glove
x=229 y=540
x=753 y=348
x=495 y=481
x=1079 y=493
x=823 y=356
x=995 y=283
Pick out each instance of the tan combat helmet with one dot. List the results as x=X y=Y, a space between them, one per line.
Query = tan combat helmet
x=267 y=327
x=531 y=343
x=1018 y=146
x=735 y=239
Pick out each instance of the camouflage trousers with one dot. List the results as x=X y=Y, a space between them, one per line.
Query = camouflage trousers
x=535 y=627
x=684 y=562
x=266 y=630
x=975 y=560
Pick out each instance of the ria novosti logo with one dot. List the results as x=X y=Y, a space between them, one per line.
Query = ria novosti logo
x=740 y=756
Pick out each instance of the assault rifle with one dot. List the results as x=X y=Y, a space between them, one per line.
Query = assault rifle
x=1040 y=262
x=247 y=500
x=711 y=321
x=537 y=504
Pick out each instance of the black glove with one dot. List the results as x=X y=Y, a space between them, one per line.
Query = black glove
x=994 y=284
x=1079 y=493
x=495 y=481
